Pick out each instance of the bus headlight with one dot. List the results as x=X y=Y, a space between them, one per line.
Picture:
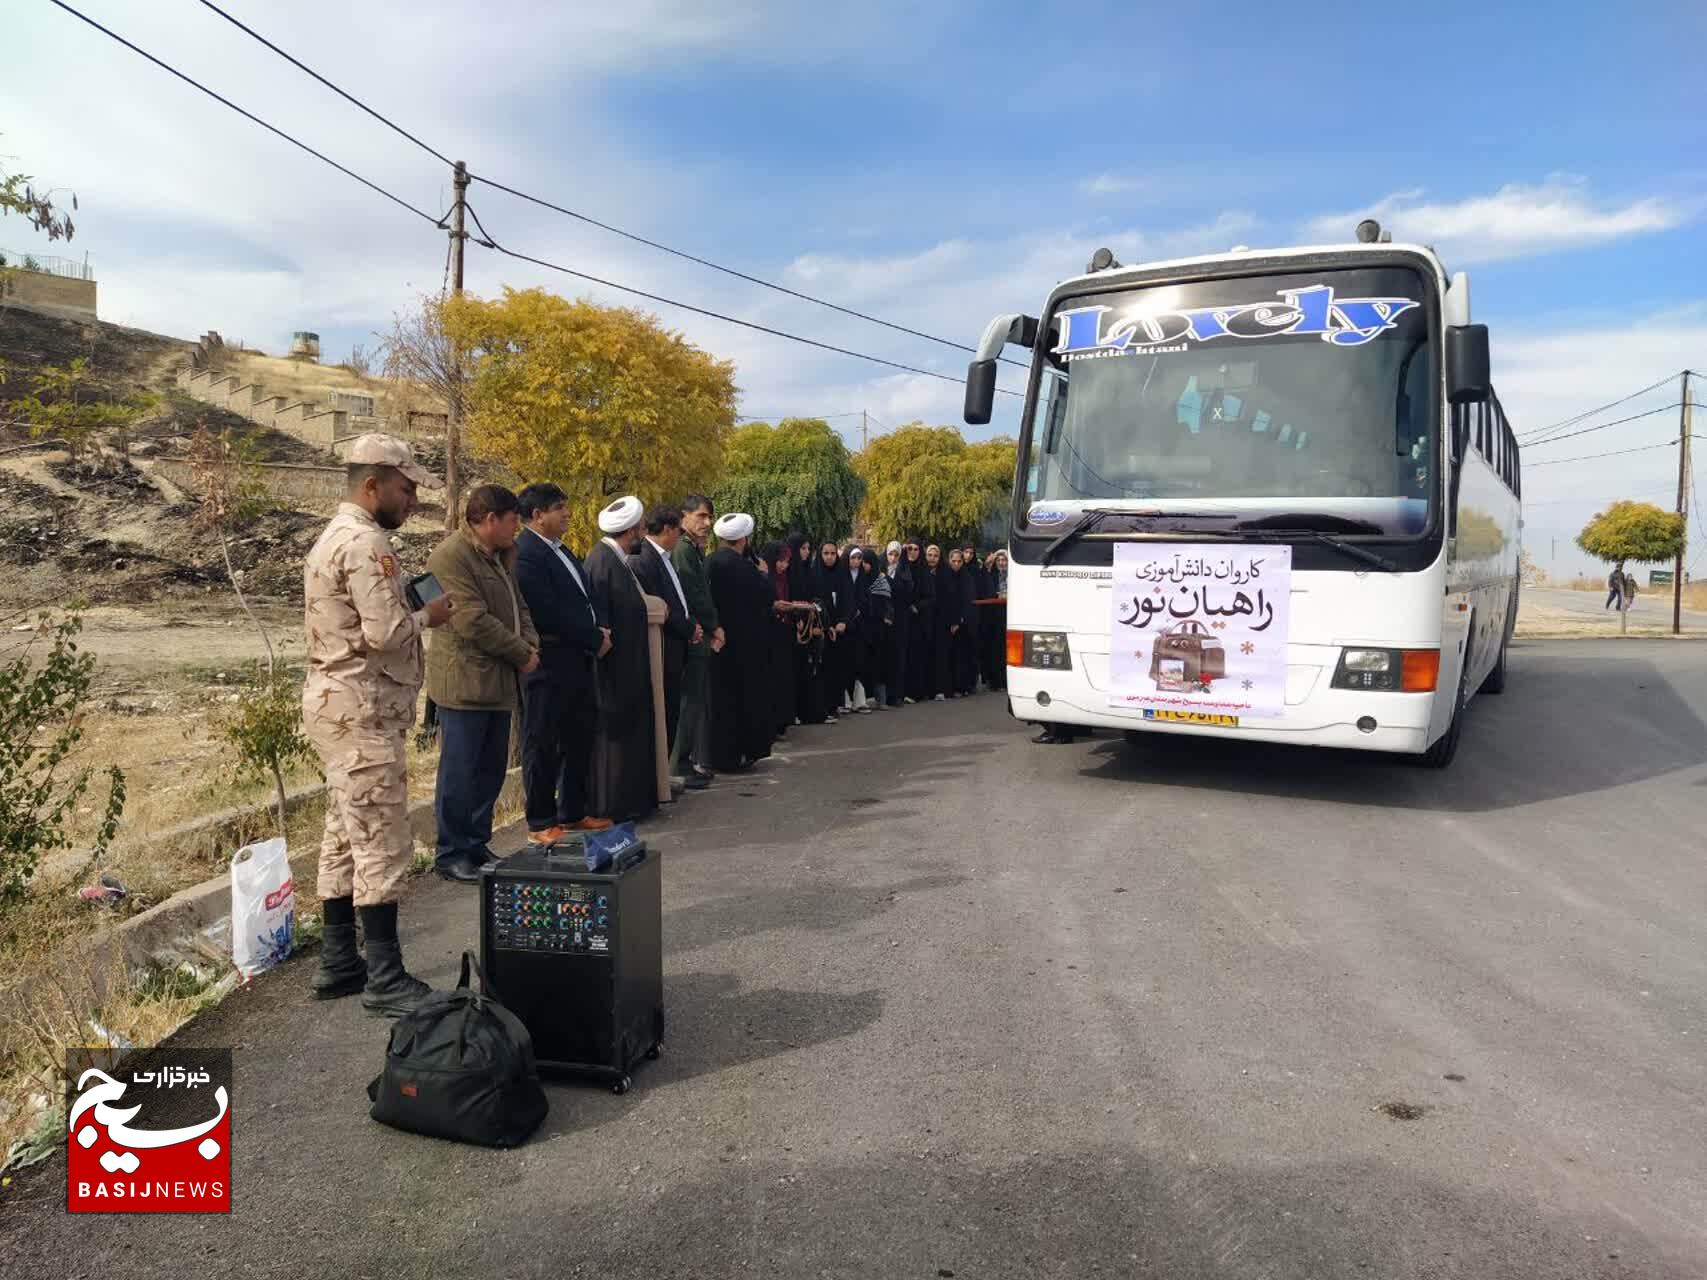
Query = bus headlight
x=1388 y=670
x=1044 y=649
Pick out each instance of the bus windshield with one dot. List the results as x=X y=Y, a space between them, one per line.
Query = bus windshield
x=1308 y=399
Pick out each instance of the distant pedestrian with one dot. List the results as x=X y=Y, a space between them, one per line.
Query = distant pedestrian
x=1615 y=586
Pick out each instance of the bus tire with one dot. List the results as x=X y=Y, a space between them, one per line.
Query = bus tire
x=1445 y=747
x=1495 y=681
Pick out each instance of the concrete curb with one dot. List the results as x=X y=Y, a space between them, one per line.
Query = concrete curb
x=167 y=928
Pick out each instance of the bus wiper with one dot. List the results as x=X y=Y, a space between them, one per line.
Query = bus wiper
x=1333 y=540
x=1091 y=517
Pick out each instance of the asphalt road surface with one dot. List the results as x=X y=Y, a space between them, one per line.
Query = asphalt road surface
x=945 y=1003
x=1653 y=605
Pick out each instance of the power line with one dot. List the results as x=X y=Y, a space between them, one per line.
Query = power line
x=731 y=271
x=350 y=98
x=586 y=218
x=1616 y=422
x=1553 y=462
x=1534 y=435
x=779 y=417
x=248 y=115
x=490 y=243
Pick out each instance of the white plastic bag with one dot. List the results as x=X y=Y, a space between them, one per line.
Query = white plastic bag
x=263 y=907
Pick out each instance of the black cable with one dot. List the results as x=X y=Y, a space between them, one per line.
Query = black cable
x=490 y=243
x=591 y=221
x=1553 y=462
x=248 y=115
x=350 y=98
x=1534 y=435
x=1616 y=422
x=731 y=271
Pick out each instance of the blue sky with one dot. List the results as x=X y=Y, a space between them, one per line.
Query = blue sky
x=931 y=164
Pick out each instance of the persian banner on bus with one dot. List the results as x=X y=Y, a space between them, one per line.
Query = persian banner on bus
x=1200 y=628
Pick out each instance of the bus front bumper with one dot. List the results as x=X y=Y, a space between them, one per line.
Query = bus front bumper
x=1321 y=717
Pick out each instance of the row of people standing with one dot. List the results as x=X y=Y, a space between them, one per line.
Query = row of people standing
x=870 y=630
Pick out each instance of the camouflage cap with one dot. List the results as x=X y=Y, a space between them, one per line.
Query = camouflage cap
x=379 y=450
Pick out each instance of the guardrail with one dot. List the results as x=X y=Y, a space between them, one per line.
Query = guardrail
x=47 y=265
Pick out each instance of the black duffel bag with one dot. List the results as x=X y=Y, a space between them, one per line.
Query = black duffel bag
x=460 y=1066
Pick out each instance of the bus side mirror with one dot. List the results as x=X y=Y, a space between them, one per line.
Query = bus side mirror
x=980 y=392
x=1468 y=378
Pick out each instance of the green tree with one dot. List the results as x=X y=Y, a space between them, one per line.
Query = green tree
x=927 y=482
x=795 y=475
x=61 y=406
x=602 y=401
x=1634 y=531
x=41 y=706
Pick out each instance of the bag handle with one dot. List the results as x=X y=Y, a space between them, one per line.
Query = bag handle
x=470 y=965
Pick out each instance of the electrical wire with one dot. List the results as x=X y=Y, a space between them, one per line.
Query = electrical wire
x=586 y=218
x=487 y=241
x=248 y=115
x=1616 y=422
x=348 y=97
x=779 y=417
x=1534 y=436
x=1553 y=462
x=731 y=271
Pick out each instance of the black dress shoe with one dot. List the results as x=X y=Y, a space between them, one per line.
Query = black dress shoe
x=707 y=774
x=696 y=782
x=464 y=869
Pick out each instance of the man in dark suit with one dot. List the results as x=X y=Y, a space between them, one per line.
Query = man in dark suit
x=559 y=705
x=654 y=565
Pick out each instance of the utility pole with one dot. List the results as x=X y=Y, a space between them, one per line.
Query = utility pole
x=453 y=415
x=1682 y=506
x=863 y=438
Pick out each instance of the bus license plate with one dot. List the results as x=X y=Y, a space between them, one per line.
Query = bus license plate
x=1193 y=717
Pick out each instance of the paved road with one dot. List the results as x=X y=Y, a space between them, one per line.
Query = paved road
x=942 y=1003
x=1652 y=607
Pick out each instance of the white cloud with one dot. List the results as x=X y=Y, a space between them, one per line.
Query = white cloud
x=1111 y=184
x=1515 y=221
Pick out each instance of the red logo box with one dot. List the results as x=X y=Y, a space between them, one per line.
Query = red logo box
x=151 y=1136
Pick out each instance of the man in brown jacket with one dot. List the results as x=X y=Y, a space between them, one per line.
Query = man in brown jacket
x=473 y=669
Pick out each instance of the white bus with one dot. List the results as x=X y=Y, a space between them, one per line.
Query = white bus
x=1322 y=415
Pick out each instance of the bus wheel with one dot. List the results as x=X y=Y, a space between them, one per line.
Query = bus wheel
x=1495 y=681
x=1446 y=746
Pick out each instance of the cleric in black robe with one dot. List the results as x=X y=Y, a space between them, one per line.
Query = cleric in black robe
x=624 y=776
x=741 y=706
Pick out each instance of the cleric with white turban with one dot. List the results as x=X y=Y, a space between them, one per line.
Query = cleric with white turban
x=741 y=719
x=624 y=779
x=621 y=516
x=733 y=527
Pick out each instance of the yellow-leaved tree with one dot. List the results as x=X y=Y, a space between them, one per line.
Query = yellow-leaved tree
x=927 y=482
x=601 y=401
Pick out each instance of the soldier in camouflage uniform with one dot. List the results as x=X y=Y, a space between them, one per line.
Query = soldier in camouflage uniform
x=364 y=672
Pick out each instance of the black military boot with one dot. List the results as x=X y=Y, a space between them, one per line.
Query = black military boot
x=342 y=971
x=391 y=991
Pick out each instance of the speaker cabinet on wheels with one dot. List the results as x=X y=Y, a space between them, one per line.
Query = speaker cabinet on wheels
x=578 y=956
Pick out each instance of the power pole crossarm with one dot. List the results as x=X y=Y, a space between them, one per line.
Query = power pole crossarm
x=453 y=410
